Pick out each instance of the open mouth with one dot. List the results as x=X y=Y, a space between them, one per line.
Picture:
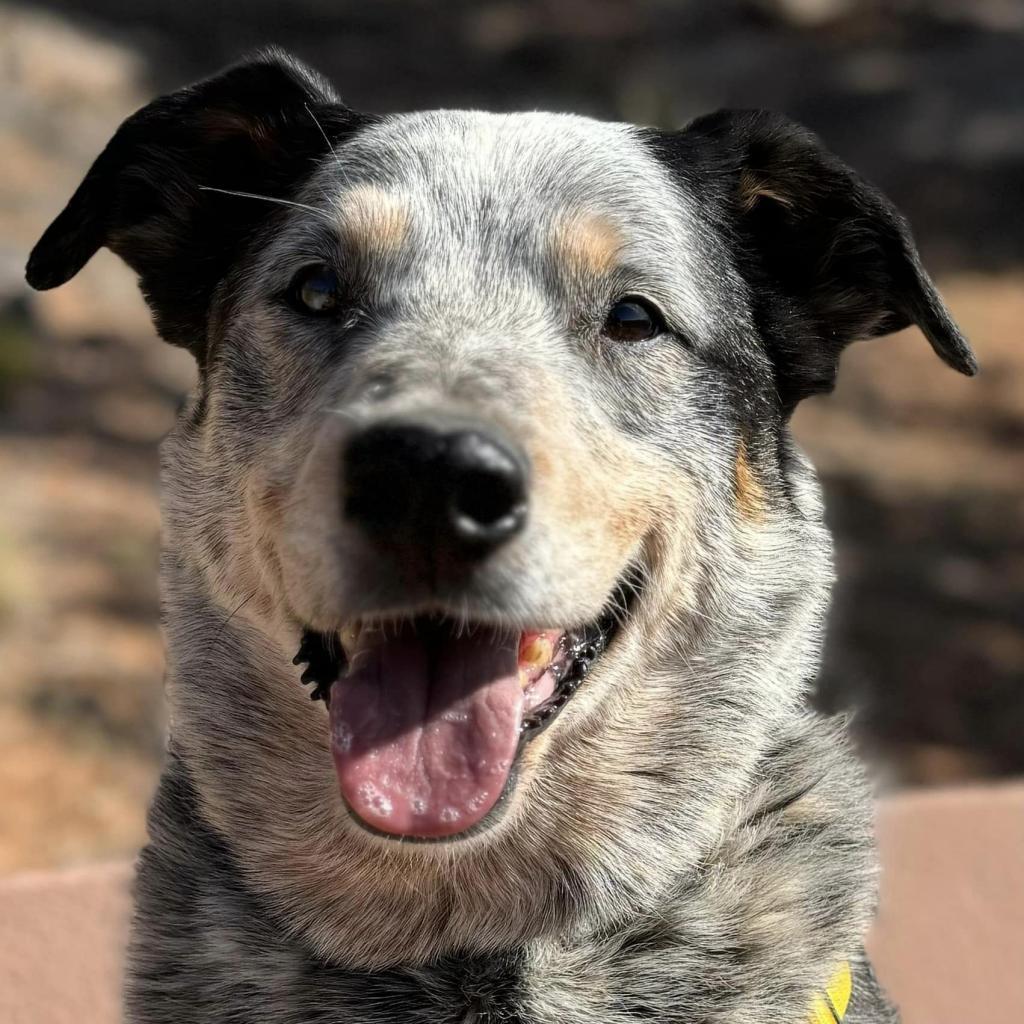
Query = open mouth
x=428 y=717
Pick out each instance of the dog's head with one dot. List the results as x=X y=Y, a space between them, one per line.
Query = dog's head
x=492 y=411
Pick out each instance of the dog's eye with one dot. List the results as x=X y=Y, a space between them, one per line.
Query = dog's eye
x=633 y=319
x=315 y=290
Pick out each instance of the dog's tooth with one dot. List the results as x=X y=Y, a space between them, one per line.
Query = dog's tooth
x=349 y=634
x=536 y=652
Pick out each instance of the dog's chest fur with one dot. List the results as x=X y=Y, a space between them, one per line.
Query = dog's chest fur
x=736 y=942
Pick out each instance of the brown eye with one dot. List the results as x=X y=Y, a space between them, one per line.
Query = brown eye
x=633 y=319
x=315 y=290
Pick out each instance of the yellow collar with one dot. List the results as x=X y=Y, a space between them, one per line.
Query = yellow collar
x=830 y=1006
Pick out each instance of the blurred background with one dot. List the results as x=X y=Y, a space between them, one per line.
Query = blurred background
x=924 y=470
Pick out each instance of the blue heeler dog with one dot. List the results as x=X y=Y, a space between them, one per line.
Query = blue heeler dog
x=491 y=426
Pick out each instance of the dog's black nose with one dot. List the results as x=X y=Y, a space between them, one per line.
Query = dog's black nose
x=457 y=492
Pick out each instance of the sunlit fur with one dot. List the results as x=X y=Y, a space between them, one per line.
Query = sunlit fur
x=688 y=842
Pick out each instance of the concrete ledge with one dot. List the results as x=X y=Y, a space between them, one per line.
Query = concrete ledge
x=61 y=945
x=949 y=940
x=949 y=943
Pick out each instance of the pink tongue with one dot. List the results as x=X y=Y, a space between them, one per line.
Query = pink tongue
x=424 y=732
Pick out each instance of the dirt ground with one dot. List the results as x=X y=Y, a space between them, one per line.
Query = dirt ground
x=924 y=470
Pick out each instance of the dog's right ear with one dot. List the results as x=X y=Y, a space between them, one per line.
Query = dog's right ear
x=151 y=196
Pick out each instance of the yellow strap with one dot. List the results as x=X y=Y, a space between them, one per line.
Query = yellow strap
x=839 y=990
x=831 y=1005
x=820 y=1012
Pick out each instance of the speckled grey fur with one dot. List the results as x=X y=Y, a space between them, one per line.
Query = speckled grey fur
x=688 y=842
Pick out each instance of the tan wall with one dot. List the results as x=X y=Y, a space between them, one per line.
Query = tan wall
x=949 y=943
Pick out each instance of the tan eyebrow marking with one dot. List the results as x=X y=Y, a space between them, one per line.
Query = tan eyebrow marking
x=373 y=220
x=586 y=243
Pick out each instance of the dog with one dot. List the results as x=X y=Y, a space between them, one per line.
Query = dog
x=490 y=444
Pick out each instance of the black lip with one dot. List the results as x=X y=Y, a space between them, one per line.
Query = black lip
x=583 y=648
x=325 y=660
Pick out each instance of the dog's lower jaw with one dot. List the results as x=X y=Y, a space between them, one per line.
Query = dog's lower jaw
x=750 y=936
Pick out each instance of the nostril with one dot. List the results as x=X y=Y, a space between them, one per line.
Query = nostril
x=387 y=474
x=484 y=498
x=486 y=489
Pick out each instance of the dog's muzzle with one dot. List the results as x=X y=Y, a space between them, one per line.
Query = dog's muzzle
x=428 y=712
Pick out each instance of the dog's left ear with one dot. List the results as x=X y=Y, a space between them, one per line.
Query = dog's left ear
x=828 y=258
x=154 y=195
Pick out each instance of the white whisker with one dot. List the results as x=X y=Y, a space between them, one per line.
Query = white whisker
x=330 y=145
x=266 y=199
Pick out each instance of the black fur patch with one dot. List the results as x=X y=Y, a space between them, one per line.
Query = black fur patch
x=828 y=258
x=258 y=127
x=324 y=660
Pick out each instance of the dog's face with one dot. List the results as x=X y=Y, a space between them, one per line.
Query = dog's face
x=492 y=410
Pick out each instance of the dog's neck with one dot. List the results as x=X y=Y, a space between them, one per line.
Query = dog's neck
x=782 y=900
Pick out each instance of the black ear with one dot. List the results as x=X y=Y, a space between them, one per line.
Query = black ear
x=828 y=258
x=258 y=127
